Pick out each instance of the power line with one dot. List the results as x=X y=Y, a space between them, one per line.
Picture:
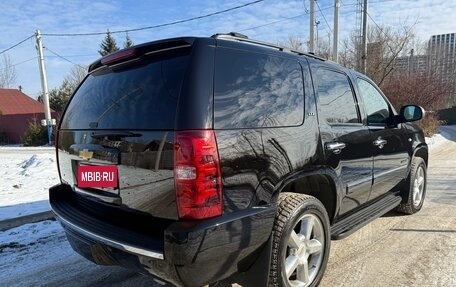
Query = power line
x=319 y=9
x=305 y=7
x=376 y=23
x=81 y=55
x=63 y=58
x=281 y=20
x=25 y=61
x=17 y=44
x=155 y=26
x=274 y=22
x=378 y=26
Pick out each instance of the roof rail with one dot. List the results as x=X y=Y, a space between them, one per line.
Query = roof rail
x=234 y=36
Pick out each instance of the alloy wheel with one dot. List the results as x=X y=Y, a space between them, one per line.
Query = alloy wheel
x=304 y=254
x=418 y=186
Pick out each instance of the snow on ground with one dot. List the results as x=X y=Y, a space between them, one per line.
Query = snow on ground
x=25 y=245
x=39 y=255
x=435 y=140
x=445 y=133
x=26 y=175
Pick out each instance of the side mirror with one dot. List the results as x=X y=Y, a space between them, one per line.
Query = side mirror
x=411 y=113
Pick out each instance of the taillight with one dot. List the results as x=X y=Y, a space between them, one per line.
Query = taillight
x=56 y=142
x=197 y=177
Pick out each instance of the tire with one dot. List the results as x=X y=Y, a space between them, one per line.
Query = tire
x=306 y=256
x=220 y=284
x=223 y=283
x=415 y=189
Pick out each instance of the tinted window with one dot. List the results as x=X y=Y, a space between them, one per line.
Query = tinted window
x=135 y=97
x=336 y=100
x=377 y=108
x=256 y=90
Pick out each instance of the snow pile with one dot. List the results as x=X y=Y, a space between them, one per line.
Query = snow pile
x=27 y=174
x=445 y=133
x=435 y=140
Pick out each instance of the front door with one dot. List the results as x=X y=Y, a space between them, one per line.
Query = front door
x=388 y=146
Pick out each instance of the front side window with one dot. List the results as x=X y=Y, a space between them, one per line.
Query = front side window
x=377 y=108
x=336 y=100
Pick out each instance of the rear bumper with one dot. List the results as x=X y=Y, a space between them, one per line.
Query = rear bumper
x=183 y=253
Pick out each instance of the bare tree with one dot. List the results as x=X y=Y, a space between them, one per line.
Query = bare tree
x=422 y=89
x=296 y=43
x=385 y=45
x=323 y=48
x=7 y=72
x=59 y=97
x=348 y=56
x=293 y=42
x=76 y=75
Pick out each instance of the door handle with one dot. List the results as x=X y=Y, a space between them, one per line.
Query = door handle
x=380 y=142
x=335 y=147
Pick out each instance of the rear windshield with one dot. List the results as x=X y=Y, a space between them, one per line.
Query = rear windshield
x=142 y=96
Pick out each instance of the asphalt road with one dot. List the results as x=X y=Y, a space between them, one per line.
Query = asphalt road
x=405 y=250
x=394 y=250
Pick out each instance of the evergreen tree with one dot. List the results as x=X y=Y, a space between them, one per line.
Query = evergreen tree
x=128 y=42
x=59 y=97
x=35 y=135
x=108 y=45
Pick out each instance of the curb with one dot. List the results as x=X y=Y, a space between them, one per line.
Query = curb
x=31 y=218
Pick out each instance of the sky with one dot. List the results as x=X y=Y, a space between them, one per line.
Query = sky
x=268 y=20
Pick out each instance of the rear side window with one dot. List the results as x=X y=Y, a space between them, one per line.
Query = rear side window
x=336 y=99
x=143 y=96
x=254 y=90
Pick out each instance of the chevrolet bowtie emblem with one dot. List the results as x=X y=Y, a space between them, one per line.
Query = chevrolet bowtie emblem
x=85 y=154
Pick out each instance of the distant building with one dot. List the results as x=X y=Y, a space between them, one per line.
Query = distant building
x=442 y=56
x=16 y=111
x=412 y=64
x=442 y=52
x=439 y=61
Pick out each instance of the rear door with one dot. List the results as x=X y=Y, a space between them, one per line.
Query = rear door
x=388 y=144
x=346 y=141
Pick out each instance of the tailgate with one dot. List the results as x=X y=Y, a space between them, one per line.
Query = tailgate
x=144 y=164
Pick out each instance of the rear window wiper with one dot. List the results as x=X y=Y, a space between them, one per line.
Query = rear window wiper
x=115 y=134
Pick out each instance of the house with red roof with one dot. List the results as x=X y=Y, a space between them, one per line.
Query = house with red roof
x=16 y=111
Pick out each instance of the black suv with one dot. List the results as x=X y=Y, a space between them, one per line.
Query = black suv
x=235 y=158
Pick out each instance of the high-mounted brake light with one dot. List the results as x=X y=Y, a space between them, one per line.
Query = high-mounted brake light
x=197 y=176
x=56 y=143
x=118 y=56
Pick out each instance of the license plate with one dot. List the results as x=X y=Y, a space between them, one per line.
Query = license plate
x=99 y=176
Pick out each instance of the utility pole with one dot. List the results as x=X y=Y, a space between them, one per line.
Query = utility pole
x=364 y=53
x=411 y=67
x=47 y=111
x=312 y=24
x=336 y=31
